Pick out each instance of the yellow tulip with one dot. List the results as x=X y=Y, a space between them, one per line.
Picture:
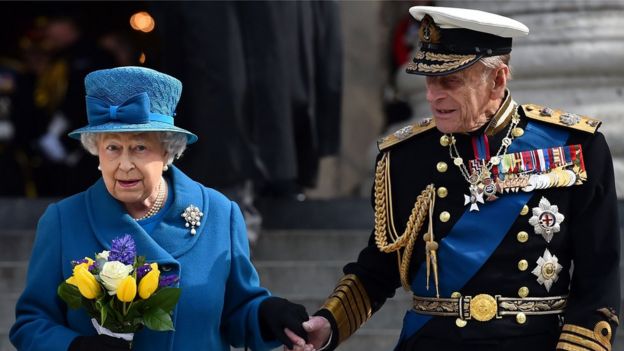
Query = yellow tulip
x=85 y=282
x=149 y=283
x=127 y=289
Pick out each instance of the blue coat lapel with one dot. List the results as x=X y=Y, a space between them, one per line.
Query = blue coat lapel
x=170 y=239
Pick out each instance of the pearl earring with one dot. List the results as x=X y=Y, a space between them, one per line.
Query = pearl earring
x=99 y=168
x=165 y=168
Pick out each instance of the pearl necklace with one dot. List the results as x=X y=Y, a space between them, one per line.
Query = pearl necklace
x=158 y=203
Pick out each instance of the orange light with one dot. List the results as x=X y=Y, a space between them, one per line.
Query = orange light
x=142 y=21
x=142 y=58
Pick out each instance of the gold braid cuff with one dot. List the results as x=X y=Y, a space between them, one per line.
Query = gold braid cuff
x=384 y=219
x=574 y=337
x=350 y=306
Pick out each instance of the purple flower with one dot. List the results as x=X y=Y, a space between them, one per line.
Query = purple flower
x=77 y=262
x=123 y=250
x=167 y=280
x=142 y=271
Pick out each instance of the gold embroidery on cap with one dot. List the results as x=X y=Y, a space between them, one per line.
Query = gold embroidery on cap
x=443 y=67
x=433 y=56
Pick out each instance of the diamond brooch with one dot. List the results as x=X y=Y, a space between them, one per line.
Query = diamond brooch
x=192 y=215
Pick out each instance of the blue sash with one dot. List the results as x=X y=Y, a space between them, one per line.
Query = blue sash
x=470 y=243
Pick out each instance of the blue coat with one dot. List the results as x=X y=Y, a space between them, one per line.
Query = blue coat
x=220 y=287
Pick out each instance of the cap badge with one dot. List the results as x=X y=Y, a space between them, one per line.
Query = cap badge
x=428 y=32
x=547 y=270
x=546 y=219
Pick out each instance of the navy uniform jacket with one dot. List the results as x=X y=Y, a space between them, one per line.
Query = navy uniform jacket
x=220 y=287
x=588 y=236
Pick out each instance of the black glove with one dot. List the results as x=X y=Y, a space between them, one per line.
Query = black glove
x=98 y=343
x=275 y=314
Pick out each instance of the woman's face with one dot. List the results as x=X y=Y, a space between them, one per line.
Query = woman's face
x=132 y=165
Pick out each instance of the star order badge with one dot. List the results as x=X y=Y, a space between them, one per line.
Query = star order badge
x=547 y=270
x=546 y=219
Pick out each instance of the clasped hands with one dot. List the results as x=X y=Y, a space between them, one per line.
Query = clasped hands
x=289 y=323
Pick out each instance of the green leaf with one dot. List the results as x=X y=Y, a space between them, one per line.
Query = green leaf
x=103 y=315
x=157 y=319
x=70 y=294
x=164 y=299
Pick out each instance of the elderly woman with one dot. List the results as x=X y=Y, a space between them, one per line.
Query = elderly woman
x=130 y=113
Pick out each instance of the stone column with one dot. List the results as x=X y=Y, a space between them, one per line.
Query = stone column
x=572 y=59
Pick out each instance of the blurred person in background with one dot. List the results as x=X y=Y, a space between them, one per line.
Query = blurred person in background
x=266 y=82
x=60 y=167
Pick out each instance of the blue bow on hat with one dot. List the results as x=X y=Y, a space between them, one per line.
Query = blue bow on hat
x=135 y=110
x=131 y=100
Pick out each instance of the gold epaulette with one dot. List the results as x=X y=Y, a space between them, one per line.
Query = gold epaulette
x=576 y=338
x=562 y=118
x=350 y=306
x=405 y=133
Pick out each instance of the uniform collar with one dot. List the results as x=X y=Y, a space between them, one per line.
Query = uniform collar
x=502 y=117
x=169 y=240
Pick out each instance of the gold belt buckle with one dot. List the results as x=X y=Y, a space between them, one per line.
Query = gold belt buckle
x=483 y=307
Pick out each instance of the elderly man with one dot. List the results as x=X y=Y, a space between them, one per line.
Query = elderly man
x=500 y=218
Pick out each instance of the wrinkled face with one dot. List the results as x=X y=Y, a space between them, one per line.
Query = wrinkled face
x=460 y=102
x=132 y=165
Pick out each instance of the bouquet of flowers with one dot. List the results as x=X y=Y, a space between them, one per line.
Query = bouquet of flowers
x=121 y=292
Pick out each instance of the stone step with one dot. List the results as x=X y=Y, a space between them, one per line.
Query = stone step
x=310 y=244
x=309 y=278
x=12 y=276
x=5 y=344
x=16 y=244
x=7 y=311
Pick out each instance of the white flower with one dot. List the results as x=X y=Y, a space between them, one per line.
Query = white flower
x=547 y=270
x=112 y=274
x=102 y=255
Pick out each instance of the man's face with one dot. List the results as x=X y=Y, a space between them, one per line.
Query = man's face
x=460 y=102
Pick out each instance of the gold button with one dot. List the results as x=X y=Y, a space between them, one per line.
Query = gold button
x=521 y=318
x=522 y=236
x=523 y=265
x=460 y=322
x=442 y=167
x=525 y=210
x=442 y=192
x=517 y=132
x=445 y=216
x=456 y=295
x=445 y=140
x=523 y=291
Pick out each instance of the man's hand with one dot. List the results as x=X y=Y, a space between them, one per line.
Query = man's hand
x=319 y=331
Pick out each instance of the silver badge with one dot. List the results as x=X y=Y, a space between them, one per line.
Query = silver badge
x=403 y=132
x=546 y=112
x=546 y=219
x=192 y=215
x=547 y=270
x=476 y=196
x=569 y=119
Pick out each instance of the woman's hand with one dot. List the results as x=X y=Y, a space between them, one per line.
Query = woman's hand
x=276 y=315
x=98 y=343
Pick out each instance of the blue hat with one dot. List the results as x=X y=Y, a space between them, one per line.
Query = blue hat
x=131 y=99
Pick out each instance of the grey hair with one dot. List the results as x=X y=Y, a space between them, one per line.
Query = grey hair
x=494 y=62
x=174 y=143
